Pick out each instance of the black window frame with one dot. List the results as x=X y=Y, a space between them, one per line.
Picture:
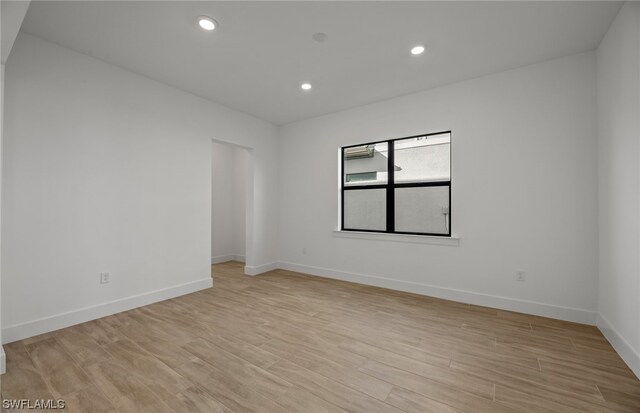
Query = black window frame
x=391 y=186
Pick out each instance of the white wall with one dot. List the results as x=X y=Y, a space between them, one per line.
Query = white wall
x=524 y=191
x=228 y=209
x=241 y=165
x=105 y=170
x=222 y=223
x=11 y=15
x=2 y=355
x=619 y=184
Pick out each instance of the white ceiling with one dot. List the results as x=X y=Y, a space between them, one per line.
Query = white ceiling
x=12 y=13
x=262 y=51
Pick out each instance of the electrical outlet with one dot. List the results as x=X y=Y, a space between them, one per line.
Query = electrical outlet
x=304 y=251
x=520 y=276
x=105 y=277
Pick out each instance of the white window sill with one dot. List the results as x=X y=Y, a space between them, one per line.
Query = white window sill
x=453 y=240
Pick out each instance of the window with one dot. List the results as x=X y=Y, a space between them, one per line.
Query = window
x=400 y=186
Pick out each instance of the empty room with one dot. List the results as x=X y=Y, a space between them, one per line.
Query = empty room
x=320 y=206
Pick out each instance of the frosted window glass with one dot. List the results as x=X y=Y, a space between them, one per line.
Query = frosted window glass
x=365 y=209
x=422 y=159
x=421 y=209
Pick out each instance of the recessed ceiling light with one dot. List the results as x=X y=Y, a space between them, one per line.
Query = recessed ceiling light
x=305 y=86
x=207 y=23
x=319 y=37
x=417 y=50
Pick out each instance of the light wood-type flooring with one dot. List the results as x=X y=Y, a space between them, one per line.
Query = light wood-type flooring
x=288 y=342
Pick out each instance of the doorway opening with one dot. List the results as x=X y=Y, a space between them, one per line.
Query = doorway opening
x=231 y=202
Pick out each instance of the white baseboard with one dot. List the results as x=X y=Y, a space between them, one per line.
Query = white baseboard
x=512 y=304
x=63 y=320
x=259 y=269
x=222 y=258
x=3 y=361
x=620 y=344
x=226 y=258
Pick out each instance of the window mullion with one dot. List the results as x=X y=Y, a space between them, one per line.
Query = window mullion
x=390 y=192
x=342 y=173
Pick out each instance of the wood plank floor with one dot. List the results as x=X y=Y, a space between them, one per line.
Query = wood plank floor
x=287 y=342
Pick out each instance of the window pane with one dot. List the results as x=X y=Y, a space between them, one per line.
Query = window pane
x=422 y=159
x=366 y=164
x=365 y=209
x=422 y=209
x=362 y=177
